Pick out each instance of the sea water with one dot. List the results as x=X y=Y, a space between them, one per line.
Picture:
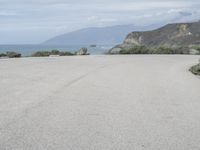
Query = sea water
x=27 y=50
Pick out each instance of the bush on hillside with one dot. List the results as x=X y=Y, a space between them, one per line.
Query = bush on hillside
x=196 y=48
x=135 y=50
x=162 y=50
x=145 y=50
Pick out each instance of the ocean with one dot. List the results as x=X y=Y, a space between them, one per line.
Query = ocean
x=27 y=50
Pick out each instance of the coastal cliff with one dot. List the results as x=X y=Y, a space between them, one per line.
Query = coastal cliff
x=173 y=36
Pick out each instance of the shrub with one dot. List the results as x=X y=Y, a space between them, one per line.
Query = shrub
x=163 y=50
x=196 y=48
x=3 y=55
x=135 y=50
x=13 y=54
x=41 y=54
x=195 y=69
x=182 y=50
x=66 y=54
x=53 y=52
x=145 y=50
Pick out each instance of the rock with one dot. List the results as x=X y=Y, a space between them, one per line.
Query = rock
x=194 y=52
x=82 y=51
x=115 y=50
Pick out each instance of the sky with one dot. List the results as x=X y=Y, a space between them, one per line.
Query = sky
x=34 y=21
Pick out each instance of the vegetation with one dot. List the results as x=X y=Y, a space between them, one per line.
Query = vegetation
x=66 y=54
x=55 y=52
x=10 y=55
x=196 y=48
x=162 y=50
x=2 y=55
x=145 y=50
x=13 y=54
x=44 y=53
x=135 y=50
x=49 y=53
x=155 y=50
x=196 y=69
x=41 y=54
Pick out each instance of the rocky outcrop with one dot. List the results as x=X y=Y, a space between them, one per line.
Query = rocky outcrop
x=171 y=36
x=82 y=51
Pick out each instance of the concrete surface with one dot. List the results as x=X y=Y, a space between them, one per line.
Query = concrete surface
x=99 y=103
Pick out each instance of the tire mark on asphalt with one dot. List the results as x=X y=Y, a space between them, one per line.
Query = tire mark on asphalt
x=48 y=98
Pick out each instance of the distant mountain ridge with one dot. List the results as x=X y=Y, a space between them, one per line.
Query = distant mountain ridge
x=171 y=35
x=97 y=35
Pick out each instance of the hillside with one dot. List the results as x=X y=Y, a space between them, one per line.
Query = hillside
x=103 y=35
x=171 y=36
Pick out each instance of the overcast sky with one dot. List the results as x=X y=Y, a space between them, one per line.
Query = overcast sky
x=34 y=21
